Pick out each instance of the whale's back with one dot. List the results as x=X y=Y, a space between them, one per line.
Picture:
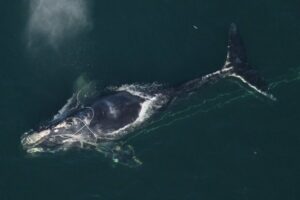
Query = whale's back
x=116 y=111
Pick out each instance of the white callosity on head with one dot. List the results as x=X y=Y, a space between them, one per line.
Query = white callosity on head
x=54 y=20
x=35 y=137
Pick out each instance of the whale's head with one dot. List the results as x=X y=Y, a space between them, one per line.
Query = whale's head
x=69 y=134
x=62 y=136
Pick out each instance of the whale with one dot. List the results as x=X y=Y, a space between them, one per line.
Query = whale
x=103 y=122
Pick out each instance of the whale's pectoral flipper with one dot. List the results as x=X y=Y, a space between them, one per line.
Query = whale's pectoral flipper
x=237 y=64
x=119 y=153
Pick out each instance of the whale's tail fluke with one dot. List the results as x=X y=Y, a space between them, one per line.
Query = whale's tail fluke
x=236 y=66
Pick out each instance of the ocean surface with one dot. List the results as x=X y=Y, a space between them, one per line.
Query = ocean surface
x=220 y=143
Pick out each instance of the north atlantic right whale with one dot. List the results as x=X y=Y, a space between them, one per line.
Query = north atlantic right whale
x=102 y=122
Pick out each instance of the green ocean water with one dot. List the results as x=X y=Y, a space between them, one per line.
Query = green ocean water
x=221 y=143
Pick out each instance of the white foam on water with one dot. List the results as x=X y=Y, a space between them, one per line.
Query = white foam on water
x=148 y=107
